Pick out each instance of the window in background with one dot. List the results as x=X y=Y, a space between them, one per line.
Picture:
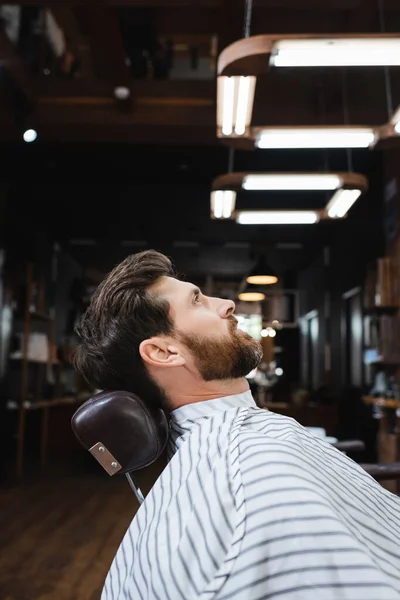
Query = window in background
x=251 y=324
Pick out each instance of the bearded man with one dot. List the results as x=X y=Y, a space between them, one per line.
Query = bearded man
x=251 y=506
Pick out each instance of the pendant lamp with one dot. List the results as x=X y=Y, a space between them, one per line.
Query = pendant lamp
x=262 y=273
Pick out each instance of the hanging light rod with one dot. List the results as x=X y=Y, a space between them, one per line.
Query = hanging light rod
x=346 y=188
x=242 y=62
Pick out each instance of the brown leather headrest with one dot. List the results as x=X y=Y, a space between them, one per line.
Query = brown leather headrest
x=120 y=431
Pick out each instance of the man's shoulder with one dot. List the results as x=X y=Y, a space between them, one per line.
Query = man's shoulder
x=277 y=443
x=272 y=425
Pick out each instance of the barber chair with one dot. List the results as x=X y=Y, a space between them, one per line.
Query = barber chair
x=124 y=436
x=122 y=433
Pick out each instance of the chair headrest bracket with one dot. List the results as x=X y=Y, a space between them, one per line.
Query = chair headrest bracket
x=105 y=458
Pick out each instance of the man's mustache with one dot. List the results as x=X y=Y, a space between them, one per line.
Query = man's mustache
x=232 y=323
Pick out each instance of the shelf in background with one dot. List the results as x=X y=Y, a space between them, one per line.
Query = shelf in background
x=69 y=400
x=382 y=402
x=34 y=314
x=381 y=310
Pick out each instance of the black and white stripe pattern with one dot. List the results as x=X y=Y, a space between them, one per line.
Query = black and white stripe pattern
x=253 y=507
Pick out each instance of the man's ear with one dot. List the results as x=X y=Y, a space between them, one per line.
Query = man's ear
x=159 y=352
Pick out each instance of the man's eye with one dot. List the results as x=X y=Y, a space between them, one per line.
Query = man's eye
x=196 y=299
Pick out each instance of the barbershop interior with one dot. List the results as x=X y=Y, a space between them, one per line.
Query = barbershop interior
x=254 y=143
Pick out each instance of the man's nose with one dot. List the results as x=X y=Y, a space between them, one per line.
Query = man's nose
x=226 y=308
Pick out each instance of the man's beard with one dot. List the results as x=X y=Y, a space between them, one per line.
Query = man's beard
x=230 y=357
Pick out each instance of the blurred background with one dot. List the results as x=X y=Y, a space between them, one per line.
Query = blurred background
x=110 y=144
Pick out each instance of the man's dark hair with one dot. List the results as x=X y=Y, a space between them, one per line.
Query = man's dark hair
x=122 y=313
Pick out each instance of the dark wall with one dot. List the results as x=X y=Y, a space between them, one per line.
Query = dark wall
x=356 y=242
x=69 y=272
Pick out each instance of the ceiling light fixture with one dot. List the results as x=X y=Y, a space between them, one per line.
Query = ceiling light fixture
x=291 y=181
x=315 y=137
x=222 y=203
x=256 y=55
x=30 y=135
x=341 y=202
x=277 y=217
x=262 y=273
x=336 y=52
x=235 y=98
x=122 y=92
x=347 y=188
x=251 y=296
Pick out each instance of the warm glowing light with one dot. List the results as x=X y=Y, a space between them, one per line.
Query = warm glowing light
x=251 y=296
x=262 y=279
x=122 y=92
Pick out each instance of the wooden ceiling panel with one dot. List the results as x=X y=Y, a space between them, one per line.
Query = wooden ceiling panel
x=300 y=98
x=69 y=131
x=101 y=29
x=101 y=37
x=323 y=5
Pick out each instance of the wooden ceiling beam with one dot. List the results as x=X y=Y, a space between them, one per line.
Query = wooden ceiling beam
x=279 y=100
x=80 y=132
x=118 y=3
x=100 y=28
x=180 y=112
x=303 y=99
x=186 y=20
x=58 y=90
x=306 y=5
x=332 y=19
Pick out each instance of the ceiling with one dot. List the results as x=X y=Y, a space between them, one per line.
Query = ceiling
x=108 y=176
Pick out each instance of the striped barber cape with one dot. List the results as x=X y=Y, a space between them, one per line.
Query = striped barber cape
x=252 y=506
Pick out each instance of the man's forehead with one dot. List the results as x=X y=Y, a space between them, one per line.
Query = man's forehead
x=169 y=287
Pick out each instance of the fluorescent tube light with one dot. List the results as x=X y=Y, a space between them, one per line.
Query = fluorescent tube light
x=291 y=181
x=223 y=203
x=336 y=52
x=273 y=217
x=341 y=203
x=235 y=98
x=316 y=137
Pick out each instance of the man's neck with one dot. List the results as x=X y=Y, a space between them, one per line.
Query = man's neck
x=206 y=390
